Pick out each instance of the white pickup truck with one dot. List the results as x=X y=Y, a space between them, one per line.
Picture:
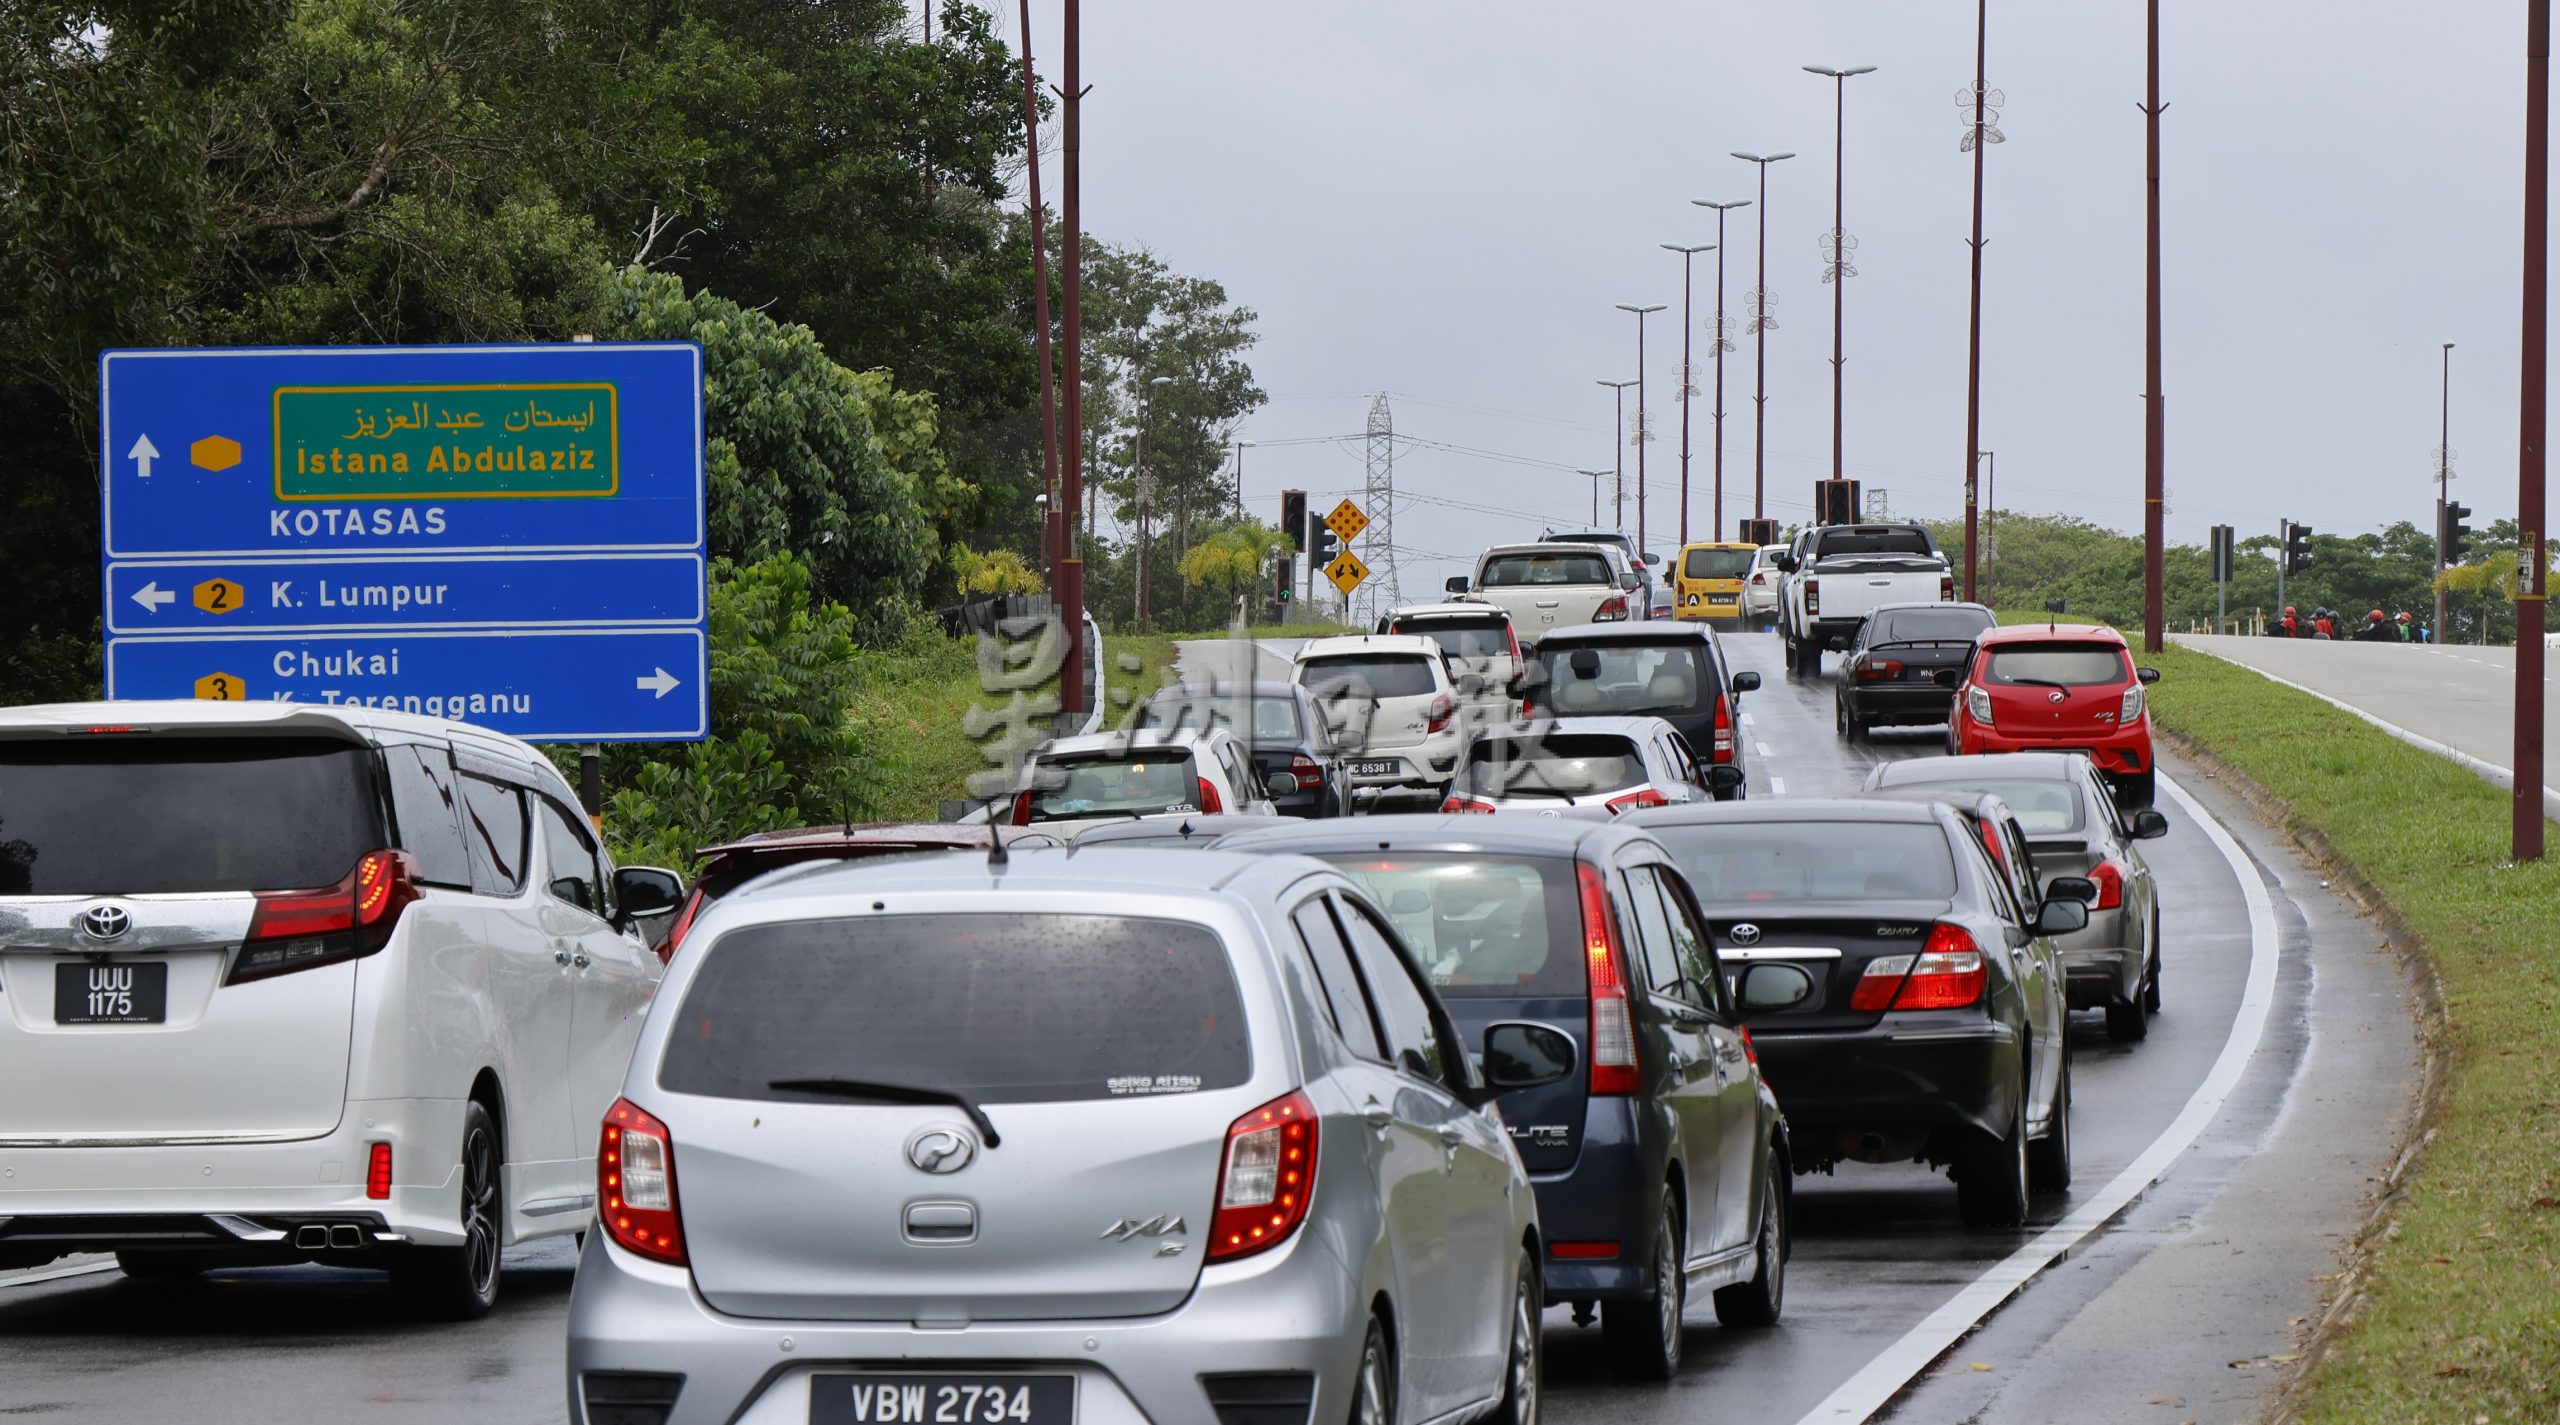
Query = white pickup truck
x=1835 y=575
x=1549 y=586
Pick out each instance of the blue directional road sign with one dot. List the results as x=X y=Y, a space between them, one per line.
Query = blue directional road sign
x=508 y=516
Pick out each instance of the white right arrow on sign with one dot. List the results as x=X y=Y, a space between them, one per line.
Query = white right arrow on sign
x=142 y=454
x=662 y=682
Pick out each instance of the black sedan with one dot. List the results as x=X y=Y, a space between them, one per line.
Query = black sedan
x=1302 y=771
x=1675 y=671
x=1937 y=1028
x=1889 y=676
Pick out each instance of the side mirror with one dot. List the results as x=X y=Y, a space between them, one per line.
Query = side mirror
x=1745 y=683
x=1947 y=678
x=2148 y=676
x=2061 y=917
x=1724 y=777
x=1648 y=559
x=2079 y=889
x=1773 y=985
x=1519 y=1055
x=1455 y=584
x=1281 y=784
x=644 y=891
x=1786 y=563
x=2149 y=825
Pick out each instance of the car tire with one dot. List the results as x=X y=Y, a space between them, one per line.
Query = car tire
x=2128 y=1022
x=1643 y=1335
x=461 y=1283
x=2151 y=982
x=1373 y=1389
x=2139 y=790
x=1991 y=1177
x=1758 y=1301
x=2049 y=1157
x=162 y=1266
x=1524 y=1360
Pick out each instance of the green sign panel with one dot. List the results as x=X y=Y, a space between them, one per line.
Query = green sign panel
x=453 y=442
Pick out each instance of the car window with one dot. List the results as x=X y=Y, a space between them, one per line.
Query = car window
x=1010 y=1008
x=2073 y=665
x=2043 y=807
x=1641 y=904
x=1705 y=986
x=1274 y=719
x=2022 y=867
x=1470 y=637
x=1517 y=571
x=1138 y=782
x=1615 y=677
x=2004 y=899
x=1480 y=925
x=1861 y=539
x=1715 y=563
x=112 y=814
x=1405 y=1020
x=2095 y=793
x=1345 y=1002
x=1676 y=752
x=1369 y=675
x=1554 y=766
x=498 y=832
x=1731 y=865
x=1952 y=625
x=427 y=808
x=571 y=859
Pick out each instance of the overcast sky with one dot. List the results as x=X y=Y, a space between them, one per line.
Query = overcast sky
x=1444 y=200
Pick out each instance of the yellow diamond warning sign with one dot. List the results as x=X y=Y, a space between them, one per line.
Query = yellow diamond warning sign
x=218 y=596
x=1347 y=571
x=1347 y=521
x=221 y=688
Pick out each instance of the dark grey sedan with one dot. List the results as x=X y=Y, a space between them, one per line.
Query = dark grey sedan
x=1302 y=770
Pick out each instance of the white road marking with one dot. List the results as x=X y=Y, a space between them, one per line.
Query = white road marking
x=1778 y=785
x=1880 y=1380
x=1762 y=748
x=1749 y=721
x=32 y=1278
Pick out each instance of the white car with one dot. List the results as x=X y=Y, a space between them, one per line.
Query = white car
x=1760 y=588
x=1109 y=777
x=293 y=983
x=1553 y=585
x=1484 y=653
x=1391 y=702
x=1587 y=767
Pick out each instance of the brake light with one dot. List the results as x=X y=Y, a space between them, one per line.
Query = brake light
x=2130 y=712
x=1022 y=808
x=1209 y=799
x=1511 y=637
x=1309 y=775
x=1582 y=1251
x=110 y=728
x=1720 y=745
x=2109 y=878
x=1443 y=708
x=1879 y=670
x=1948 y=973
x=297 y=930
x=1612 y=609
x=1946 y=588
x=377 y=1172
x=1460 y=803
x=1759 y=578
x=1267 y=1178
x=1613 y=1025
x=1750 y=1050
x=1812 y=596
x=1636 y=800
x=636 y=1182
x=684 y=921
x=1977 y=704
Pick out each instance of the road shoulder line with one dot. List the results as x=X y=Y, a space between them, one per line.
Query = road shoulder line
x=1877 y=1383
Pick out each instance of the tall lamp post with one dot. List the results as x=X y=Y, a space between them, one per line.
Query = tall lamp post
x=1644 y=433
x=1837 y=268
x=2155 y=433
x=1146 y=493
x=1763 y=320
x=1595 y=496
x=2444 y=477
x=1981 y=106
x=1723 y=344
x=2530 y=432
x=1688 y=374
x=1618 y=502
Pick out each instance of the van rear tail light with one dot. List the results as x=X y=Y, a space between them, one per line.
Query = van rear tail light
x=1613 y=609
x=636 y=1184
x=1948 y=973
x=1613 y=1025
x=1879 y=670
x=1720 y=746
x=2130 y=712
x=1022 y=808
x=1636 y=800
x=1512 y=637
x=1267 y=1178
x=1460 y=802
x=298 y=930
x=2109 y=879
x=377 y=1172
x=1812 y=597
x=1946 y=588
x=1443 y=708
x=1210 y=801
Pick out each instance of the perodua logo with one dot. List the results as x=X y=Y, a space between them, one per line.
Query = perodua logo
x=941 y=1151
x=2057 y=695
x=104 y=922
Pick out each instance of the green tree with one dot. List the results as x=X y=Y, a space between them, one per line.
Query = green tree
x=1234 y=559
x=998 y=572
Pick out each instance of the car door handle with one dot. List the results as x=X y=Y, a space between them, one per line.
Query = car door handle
x=1452 y=1138
x=1380 y=1117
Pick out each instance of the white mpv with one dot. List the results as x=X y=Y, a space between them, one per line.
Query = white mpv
x=290 y=983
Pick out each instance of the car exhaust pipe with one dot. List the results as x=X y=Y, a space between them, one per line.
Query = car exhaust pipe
x=311 y=1237
x=344 y=1236
x=1875 y=1145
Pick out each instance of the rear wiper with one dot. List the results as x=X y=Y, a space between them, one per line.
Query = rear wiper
x=2042 y=683
x=890 y=1093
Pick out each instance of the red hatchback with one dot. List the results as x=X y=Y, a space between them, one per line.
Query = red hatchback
x=2059 y=688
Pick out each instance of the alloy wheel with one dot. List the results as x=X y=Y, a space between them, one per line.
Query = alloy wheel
x=480 y=1208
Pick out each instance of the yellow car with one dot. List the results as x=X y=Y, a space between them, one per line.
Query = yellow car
x=1707 y=583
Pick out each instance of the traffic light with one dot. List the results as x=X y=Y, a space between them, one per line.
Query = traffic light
x=1284 y=577
x=1293 y=519
x=2451 y=533
x=1759 y=531
x=1323 y=547
x=1836 y=502
x=2297 y=548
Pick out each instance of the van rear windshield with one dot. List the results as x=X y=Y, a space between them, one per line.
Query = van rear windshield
x=1464 y=637
x=1716 y=563
x=1369 y=675
x=146 y=814
x=1481 y=926
x=1015 y=1008
x=1526 y=571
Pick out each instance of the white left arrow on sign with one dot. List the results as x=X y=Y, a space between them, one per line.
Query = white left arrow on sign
x=142 y=454
x=662 y=682
x=153 y=598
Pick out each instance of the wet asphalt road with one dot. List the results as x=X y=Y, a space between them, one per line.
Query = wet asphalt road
x=2181 y=1309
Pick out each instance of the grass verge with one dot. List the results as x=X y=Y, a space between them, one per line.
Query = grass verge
x=2460 y=1317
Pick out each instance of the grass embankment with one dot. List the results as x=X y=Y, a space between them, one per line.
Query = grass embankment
x=913 y=703
x=2462 y=1318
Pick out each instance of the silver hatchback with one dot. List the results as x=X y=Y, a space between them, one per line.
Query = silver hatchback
x=1095 y=1137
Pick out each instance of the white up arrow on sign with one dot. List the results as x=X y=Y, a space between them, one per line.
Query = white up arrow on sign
x=142 y=454
x=662 y=681
x=153 y=598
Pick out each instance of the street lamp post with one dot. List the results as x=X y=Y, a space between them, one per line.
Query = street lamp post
x=1618 y=502
x=2444 y=477
x=2155 y=435
x=1146 y=494
x=1644 y=435
x=1982 y=108
x=1837 y=270
x=1762 y=320
x=1688 y=375
x=1595 y=495
x=2530 y=432
x=1723 y=344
